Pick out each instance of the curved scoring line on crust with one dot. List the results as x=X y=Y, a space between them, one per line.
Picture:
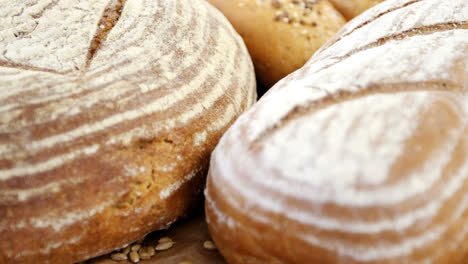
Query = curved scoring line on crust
x=129 y=115
x=388 y=251
x=381 y=196
x=75 y=92
x=9 y=64
x=400 y=223
x=158 y=25
x=216 y=61
x=216 y=93
x=84 y=90
x=50 y=163
x=424 y=30
x=50 y=220
x=109 y=97
x=11 y=99
x=108 y=20
x=77 y=75
x=349 y=250
x=23 y=194
x=440 y=251
x=343 y=96
x=225 y=118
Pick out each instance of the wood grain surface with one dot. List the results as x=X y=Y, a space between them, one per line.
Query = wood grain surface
x=189 y=235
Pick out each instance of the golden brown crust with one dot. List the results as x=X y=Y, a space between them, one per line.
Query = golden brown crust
x=352 y=8
x=107 y=124
x=276 y=238
x=361 y=156
x=281 y=35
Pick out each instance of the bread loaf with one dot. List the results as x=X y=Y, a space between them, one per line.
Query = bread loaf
x=361 y=156
x=109 y=110
x=281 y=35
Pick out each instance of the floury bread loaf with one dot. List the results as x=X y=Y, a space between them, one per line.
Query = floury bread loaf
x=361 y=156
x=109 y=110
x=281 y=35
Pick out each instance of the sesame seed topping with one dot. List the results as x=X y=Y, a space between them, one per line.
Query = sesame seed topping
x=118 y=256
x=208 y=244
x=276 y=3
x=134 y=257
x=165 y=239
x=164 y=245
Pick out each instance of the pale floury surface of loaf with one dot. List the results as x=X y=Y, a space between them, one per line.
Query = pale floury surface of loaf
x=107 y=109
x=361 y=156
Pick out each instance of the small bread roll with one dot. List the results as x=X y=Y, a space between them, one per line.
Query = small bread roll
x=281 y=35
x=361 y=156
x=109 y=111
x=352 y=8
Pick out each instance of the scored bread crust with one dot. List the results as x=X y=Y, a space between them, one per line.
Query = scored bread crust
x=361 y=156
x=108 y=113
x=281 y=35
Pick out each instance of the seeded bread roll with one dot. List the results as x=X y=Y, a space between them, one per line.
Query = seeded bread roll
x=281 y=35
x=109 y=110
x=352 y=8
x=361 y=156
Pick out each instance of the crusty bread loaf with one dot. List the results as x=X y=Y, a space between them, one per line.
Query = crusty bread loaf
x=281 y=35
x=361 y=156
x=352 y=8
x=109 y=110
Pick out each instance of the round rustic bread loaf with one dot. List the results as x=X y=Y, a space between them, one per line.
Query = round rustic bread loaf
x=352 y=8
x=109 y=110
x=361 y=156
x=281 y=35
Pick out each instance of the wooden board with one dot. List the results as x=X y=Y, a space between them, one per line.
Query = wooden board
x=189 y=235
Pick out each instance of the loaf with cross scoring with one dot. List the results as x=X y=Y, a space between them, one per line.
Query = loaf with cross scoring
x=109 y=111
x=361 y=156
x=282 y=35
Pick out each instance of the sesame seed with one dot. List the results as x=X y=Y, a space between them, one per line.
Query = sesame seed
x=164 y=246
x=165 y=239
x=144 y=255
x=136 y=247
x=134 y=257
x=208 y=244
x=276 y=3
x=118 y=256
x=146 y=252
x=126 y=250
